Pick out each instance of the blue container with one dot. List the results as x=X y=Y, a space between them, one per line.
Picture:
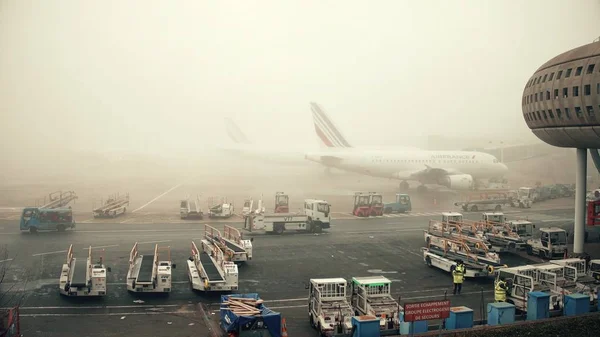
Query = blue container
x=576 y=304
x=538 y=305
x=407 y=328
x=460 y=318
x=366 y=326
x=500 y=313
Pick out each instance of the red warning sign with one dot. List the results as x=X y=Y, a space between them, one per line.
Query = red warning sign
x=423 y=311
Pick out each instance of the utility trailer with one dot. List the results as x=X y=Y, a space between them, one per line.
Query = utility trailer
x=245 y=315
x=234 y=248
x=58 y=199
x=328 y=308
x=242 y=248
x=189 y=209
x=524 y=279
x=485 y=201
x=150 y=273
x=446 y=255
x=587 y=273
x=209 y=271
x=371 y=296
x=113 y=206
x=316 y=217
x=83 y=277
x=46 y=219
x=567 y=280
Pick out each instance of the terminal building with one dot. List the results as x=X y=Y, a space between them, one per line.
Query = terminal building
x=561 y=106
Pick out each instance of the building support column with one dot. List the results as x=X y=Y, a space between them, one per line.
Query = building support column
x=580 y=192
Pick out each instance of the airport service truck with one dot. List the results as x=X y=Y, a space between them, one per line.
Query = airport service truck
x=46 y=219
x=113 y=206
x=328 y=309
x=208 y=270
x=83 y=277
x=552 y=243
x=150 y=273
x=316 y=217
x=402 y=204
x=371 y=295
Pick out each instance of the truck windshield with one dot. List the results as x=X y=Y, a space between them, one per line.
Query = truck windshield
x=363 y=201
x=377 y=199
x=523 y=192
x=558 y=238
x=282 y=200
x=524 y=229
x=595 y=266
x=404 y=200
x=323 y=208
x=183 y=204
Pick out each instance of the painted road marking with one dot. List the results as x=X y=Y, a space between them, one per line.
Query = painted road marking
x=5 y=260
x=106 y=307
x=109 y=246
x=158 y=197
x=141 y=243
x=113 y=314
x=49 y=253
x=387 y=231
x=127 y=220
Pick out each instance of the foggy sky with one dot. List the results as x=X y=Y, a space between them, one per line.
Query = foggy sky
x=158 y=76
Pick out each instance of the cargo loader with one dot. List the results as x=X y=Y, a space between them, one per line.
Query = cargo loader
x=112 y=207
x=83 y=277
x=150 y=273
x=209 y=271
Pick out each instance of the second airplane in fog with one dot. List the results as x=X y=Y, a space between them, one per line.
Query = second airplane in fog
x=460 y=170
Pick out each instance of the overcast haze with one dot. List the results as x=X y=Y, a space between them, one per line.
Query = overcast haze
x=159 y=76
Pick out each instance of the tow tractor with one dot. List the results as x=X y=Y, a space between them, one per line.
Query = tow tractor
x=371 y=295
x=375 y=204
x=223 y=210
x=46 y=219
x=83 y=277
x=328 y=308
x=316 y=217
x=552 y=244
x=150 y=273
x=361 y=205
x=282 y=203
x=190 y=210
x=247 y=209
x=233 y=247
x=113 y=206
x=444 y=257
x=58 y=199
x=401 y=205
x=209 y=271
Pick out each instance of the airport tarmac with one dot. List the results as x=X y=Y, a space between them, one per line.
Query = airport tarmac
x=281 y=266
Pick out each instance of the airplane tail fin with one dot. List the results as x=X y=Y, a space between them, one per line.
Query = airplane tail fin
x=327 y=133
x=235 y=133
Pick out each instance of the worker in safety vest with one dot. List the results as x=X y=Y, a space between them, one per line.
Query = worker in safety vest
x=500 y=291
x=458 y=275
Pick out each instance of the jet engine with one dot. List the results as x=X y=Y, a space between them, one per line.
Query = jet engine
x=458 y=182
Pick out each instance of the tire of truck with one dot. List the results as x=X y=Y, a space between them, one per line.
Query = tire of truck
x=33 y=230
x=498 y=208
x=428 y=261
x=316 y=227
x=278 y=228
x=312 y=320
x=61 y=228
x=542 y=254
x=387 y=210
x=474 y=208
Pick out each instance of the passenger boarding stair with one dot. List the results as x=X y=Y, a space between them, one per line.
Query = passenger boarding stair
x=114 y=206
x=150 y=273
x=83 y=277
x=209 y=271
x=59 y=199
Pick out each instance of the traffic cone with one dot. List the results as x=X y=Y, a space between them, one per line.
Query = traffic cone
x=283 y=328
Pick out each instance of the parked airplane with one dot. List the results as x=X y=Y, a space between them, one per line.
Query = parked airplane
x=460 y=170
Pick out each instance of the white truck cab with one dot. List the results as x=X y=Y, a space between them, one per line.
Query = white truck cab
x=552 y=243
x=452 y=217
x=317 y=210
x=493 y=217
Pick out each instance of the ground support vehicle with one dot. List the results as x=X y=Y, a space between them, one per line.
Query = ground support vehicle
x=328 y=309
x=587 y=273
x=523 y=228
x=248 y=207
x=316 y=217
x=83 y=277
x=567 y=282
x=190 y=209
x=401 y=205
x=375 y=204
x=445 y=254
x=524 y=279
x=221 y=211
x=484 y=202
x=525 y=197
x=470 y=236
x=150 y=273
x=244 y=315
x=208 y=270
x=282 y=203
x=371 y=295
x=58 y=199
x=501 y=235
x=112 y=207
x=462 y=248
x=46 y=219
x=242 y=249
x=361 y=205
x=552 y=244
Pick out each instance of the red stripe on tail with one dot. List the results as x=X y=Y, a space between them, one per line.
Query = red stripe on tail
x=322 y=136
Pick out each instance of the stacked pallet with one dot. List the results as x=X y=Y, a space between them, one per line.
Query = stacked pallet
x=242 y=306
